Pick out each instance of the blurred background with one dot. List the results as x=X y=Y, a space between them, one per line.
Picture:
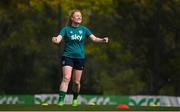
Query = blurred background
x=141 y=58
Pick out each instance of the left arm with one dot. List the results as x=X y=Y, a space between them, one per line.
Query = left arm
x=98 y=40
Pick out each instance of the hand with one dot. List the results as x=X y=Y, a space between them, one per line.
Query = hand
x=55 y=39
x=105 y=39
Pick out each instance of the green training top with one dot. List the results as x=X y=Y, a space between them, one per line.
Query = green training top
x=74 y=40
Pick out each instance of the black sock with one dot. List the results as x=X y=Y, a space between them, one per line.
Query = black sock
x=75 y=95
x=61 y=95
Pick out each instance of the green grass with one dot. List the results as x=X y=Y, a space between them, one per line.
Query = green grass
x=6 y=107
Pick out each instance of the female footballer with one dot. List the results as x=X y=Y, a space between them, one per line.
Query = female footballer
x=74 y=35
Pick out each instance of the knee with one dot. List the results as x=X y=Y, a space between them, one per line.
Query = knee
x=77 y=83
x=66 y=79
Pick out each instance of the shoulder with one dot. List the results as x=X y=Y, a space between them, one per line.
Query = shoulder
x=84 y=27
x=66 y=27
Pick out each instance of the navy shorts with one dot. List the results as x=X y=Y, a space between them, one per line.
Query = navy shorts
x=77 y=64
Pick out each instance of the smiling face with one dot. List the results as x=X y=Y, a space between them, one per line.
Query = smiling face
x=76 y=18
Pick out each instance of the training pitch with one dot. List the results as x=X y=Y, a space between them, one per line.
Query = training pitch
x=18 y=107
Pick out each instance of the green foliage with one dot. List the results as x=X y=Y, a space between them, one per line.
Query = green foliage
x=87 y=7
x=140 y=58
x=121 y=83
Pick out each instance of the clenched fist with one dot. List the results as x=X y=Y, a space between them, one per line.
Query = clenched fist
x=56 y=39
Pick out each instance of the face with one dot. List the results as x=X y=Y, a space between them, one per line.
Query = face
x=77 y=18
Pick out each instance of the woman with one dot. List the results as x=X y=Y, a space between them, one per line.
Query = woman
x=74 y=35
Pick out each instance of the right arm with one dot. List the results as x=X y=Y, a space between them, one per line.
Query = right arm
x=57 y=39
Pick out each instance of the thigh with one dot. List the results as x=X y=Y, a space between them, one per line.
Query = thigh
x=77 y=75
x=67 y=71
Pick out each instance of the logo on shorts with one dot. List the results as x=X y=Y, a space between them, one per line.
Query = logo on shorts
x=63 y=62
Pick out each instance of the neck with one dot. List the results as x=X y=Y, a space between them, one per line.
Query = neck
x=75 y=24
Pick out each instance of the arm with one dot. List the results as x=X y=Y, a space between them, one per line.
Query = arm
x=57 y=39
x=99 y=40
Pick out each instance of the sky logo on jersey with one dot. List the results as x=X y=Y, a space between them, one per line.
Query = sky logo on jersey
x=76 y=37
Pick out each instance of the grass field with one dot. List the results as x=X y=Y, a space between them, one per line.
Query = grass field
x=14 y=107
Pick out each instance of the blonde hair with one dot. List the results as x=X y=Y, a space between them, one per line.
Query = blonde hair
x=71 y=13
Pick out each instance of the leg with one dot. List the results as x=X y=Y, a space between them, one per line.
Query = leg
x=76 y=80
x=67 y=70
x=76 y=85
x=77 y=73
